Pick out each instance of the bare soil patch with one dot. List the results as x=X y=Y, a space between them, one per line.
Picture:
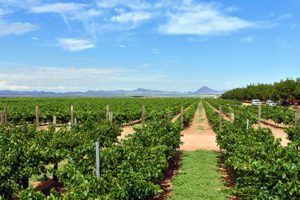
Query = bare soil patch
x=195 y=138
x=127 y=130
x=46 y=186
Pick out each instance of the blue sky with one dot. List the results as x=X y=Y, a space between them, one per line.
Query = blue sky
x=159 y=44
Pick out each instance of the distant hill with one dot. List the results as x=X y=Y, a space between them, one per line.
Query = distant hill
x=137 y=92
x=207 y=91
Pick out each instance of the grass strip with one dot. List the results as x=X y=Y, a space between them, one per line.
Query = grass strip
x=199 y=177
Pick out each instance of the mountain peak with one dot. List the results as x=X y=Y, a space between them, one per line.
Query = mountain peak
x=206 y=90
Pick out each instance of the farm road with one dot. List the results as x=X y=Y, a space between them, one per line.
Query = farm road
x=199 y=135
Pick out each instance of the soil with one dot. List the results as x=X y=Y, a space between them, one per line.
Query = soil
x=46 y=186
x=127 y=130
x=199 y=135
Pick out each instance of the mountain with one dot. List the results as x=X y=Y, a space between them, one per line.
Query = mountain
x=207 y=91
x=137 y=92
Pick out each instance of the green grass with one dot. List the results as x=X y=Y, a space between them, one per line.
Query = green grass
x=199 y=177
x=200 y=119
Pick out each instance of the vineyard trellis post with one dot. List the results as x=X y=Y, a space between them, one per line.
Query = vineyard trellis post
x=169 y=115
x=107 y=113
x=72 y=116
x=143 y=114
x=75 y=121
x=37 y=115
x=98 y=159
x=247 y=125
x=2 y=117
x=297 y=116
x=259 y=115
x=220 y=117
x=232 y=117
x=54 y=120
x=181 y=116
x=110 y=116
x=5 y=115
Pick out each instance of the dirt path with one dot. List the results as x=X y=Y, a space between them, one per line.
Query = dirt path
x=127 y=130
x=199 y=135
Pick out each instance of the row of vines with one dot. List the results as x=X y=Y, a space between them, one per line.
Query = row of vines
x=130 y=169
x=262 y=168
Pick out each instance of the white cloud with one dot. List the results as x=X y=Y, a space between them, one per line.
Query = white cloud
x=54 y=78
x=86 y=14
x=202 y=19
x=247 y=39
x=75 y=44
x=19 y=3
x=16 y=28
x=132 y=17
x=74 y=78
x=285 y=16
x=4 y=85
x=132 y=4
x=57 y=8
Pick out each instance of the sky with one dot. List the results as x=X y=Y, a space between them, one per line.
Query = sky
x=182 y=45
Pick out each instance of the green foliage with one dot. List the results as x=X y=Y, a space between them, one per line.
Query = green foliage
x=294 y=134
x=285 y=89
x=20 y=158
x=130 y=170
x=189 y=114
x=277 y=114
x=124 y=110
x=263 y=168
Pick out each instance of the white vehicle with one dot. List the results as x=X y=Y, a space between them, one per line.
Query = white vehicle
x=270 y=103
x=256 y=102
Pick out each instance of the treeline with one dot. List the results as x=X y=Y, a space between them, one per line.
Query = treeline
x=283 y=90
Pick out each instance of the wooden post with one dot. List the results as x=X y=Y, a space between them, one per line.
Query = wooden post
x=143 y=115
x=54 y=120
x=232 y=117
x=107 y=113
x=110 y=116
x=72 y=116
x=297 y=117
x=75 y=121
x=169 y=115
x=37 y=115
x=259 y=115
x=97 y=160
x=2 y=117
x=5 y=115
x=181 y=116
x=247 y=126
x=220 y=117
